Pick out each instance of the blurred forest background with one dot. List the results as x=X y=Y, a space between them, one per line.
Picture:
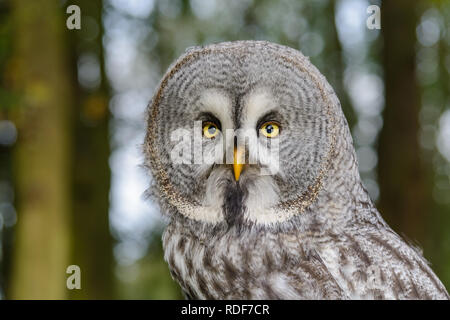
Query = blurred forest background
x=72 y=108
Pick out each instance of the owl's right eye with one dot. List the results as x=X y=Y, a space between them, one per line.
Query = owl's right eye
x=210 y=130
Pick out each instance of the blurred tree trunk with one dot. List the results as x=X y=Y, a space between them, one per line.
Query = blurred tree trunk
x=402 y=176
x=92 y=238
x=333 y=54
x=41 y=160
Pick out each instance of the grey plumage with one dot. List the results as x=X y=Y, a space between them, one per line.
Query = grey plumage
x=307 y=231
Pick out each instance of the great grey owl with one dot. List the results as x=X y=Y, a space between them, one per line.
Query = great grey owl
x=254 y=166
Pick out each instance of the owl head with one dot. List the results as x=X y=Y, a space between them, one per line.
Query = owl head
x=242 y=134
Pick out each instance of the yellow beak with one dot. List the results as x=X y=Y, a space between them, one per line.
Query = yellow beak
x=238 y=162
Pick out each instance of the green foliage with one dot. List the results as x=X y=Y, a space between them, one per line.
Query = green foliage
x=149 y=277
x=7 y=97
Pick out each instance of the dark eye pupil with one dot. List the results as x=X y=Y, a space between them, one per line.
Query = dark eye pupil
x=211 y=130
x=269 y=129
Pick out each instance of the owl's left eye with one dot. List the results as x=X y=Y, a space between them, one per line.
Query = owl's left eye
x=210 y=130
x=270 y=129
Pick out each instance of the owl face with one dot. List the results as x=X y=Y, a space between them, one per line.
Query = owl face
x=237 y=134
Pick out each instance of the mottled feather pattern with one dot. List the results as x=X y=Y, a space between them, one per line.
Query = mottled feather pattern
x=310 y=231
x=367 y=264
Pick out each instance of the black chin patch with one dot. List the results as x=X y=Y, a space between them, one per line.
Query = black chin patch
x=233 y=205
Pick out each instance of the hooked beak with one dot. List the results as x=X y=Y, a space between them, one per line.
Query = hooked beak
x=238 y=162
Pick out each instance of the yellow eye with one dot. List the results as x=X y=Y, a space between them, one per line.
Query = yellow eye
x=210 y=130
x=270 y=129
